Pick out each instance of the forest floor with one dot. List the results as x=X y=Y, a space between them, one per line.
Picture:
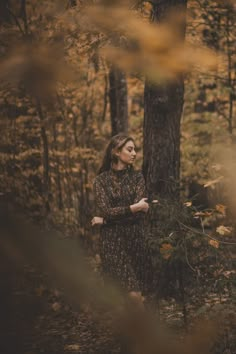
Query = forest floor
x=36 y=317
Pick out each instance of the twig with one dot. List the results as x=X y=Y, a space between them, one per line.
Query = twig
x=204 y=234
x=186 y=257
x=203 y=229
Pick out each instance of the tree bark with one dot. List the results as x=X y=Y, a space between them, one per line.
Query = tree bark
x=46 y=176
x=163 y=104
x=4 y=12
x=118 y=101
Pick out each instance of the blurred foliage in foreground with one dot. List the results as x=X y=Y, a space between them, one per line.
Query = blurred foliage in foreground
x=55 y=124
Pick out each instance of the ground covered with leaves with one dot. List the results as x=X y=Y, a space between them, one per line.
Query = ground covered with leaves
x=37 y=318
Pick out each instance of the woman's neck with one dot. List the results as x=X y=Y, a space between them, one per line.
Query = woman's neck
x=119 y=166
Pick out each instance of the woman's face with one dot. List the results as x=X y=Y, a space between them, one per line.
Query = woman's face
x=127 y=154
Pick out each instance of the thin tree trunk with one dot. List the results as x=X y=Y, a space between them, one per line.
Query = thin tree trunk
x=57 y=170
x=118 y=101
x=163 y=104
x=229 y=57
x=46 y=177
x=105 y=98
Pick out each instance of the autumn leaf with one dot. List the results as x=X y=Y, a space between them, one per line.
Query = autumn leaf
x=40 y=290
x=166 y=250
x=221 y=208
x=213 y=182
x=216 y=167
x=224 y=230
x=214 y=243
x=56 y=306
x=72 y=347
x=228 y=273
x=202 y=213
x=188 y=204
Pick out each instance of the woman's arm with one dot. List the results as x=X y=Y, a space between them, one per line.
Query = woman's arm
x=104 y=206
x=113 y=213
x=140 y=205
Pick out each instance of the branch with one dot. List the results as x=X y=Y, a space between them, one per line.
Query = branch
x=204 y=234
x=186 y=257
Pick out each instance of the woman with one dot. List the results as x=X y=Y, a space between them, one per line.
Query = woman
x=121 y=200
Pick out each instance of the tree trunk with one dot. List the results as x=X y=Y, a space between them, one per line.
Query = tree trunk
x=5 y=15
x=46 y=177
x=118 y=101
x=163 y=104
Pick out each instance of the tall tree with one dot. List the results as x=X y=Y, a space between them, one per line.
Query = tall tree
x=163 y=104
x=118 y=100
x=5 y=15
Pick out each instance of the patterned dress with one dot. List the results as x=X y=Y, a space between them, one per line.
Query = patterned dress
x=122 y=248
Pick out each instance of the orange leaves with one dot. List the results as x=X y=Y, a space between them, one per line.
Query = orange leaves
x=221 y=209
x=214 y=243
x=166 y=250
x=202 y=214
x=155 y=50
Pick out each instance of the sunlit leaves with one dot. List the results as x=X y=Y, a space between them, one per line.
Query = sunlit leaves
x=221 y=209
x=224 y=230
x=214 y=243
x=155 y=50
x=213 y=182
x=188 y=204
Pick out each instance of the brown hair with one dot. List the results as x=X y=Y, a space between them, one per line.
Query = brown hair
x=116 y=143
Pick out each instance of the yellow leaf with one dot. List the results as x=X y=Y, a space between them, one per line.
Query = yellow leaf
x=188 y=204
x=72 y=347
x=214 y=243
x=203 y=213
x=224 y=230
x=216 y=167
x=221 y=208
x=213 y=182
x=56 y=306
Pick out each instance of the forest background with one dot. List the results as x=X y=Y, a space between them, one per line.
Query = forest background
x=72 y=76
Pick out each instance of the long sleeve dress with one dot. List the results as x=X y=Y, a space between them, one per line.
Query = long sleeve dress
x=122 y=251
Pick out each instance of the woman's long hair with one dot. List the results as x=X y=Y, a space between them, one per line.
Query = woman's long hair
x=116 y=144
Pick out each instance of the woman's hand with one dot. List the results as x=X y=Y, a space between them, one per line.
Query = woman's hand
x=142 y=205
x=97 y=220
